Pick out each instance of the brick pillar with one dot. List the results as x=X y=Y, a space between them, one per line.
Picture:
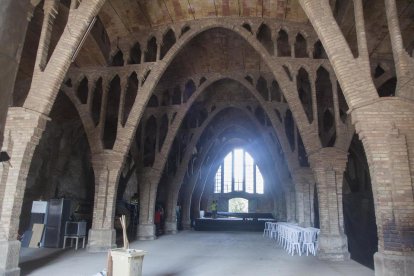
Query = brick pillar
x=328 y=166
x=147 y=196
x=302 y=179
x=107 y=169
x=386 y=128
x=23 y=131
x=187 y=195
x=199 y=190
x=171 y=216
x=299 y=204
x=12 y=37
x=173 y=192
x=290 y=204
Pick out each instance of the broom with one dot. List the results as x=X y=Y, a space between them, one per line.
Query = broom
x=125 y=247
x=124 y=234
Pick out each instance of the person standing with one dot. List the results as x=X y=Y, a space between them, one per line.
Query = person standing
x=213 y=208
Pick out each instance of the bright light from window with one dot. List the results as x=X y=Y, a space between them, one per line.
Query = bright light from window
x=238 y=169
x=217 y=186
x=240 y=174
x=249 y=173
x=259 y=181
x=228 y=164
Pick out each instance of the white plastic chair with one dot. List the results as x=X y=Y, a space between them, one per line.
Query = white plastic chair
x=308 y=242
x=267 y=230
x=294 y=241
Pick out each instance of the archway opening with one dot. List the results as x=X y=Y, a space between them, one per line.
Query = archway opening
x=61 y=171
x=238 y=205
x=358 y=206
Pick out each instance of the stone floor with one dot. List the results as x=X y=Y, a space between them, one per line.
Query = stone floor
x=193 y=253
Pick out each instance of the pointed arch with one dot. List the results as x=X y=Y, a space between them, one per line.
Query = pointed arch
x=168 y=40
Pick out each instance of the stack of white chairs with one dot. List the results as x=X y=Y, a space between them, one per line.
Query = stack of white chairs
x=267 y=229
x=308 y=244
x=273 y=231
x=294 y=239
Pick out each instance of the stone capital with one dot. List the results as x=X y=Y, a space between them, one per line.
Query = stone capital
x=330 y=158
x=302 y=174
x=109 y=159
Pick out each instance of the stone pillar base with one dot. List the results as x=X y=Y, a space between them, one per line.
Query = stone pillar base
x=146 y=232
x=101 y=240
x=187 y=225
x=333 y=248
x=390 y=265
x=9 y=258
x=170 y=227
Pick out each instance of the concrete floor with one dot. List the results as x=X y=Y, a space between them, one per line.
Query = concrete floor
x=193 y=253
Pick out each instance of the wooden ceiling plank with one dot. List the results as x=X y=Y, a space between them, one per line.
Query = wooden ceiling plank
x=227 y=7
x=203 y=9
x=112 y=23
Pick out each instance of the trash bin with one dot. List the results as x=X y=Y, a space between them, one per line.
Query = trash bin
x=127 y=262
x=201 y=213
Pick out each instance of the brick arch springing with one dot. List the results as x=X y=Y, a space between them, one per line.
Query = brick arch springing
x=361 y=89
x=60 y=60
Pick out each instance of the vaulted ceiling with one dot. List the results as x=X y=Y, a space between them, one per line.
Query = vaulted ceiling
x=122 y=17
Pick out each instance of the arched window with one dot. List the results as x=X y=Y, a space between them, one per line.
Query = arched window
x=238 y=172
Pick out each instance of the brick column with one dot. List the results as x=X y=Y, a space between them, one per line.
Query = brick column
x=173 y=193
x=386 y=128
x=148 y=183
x=23 y=131
x=171 y=216
x=328 y=165
x=290 y=204
x=12 y=37
x=200 y=185
x=303 y=178
x=107 y=169
x=187 y=195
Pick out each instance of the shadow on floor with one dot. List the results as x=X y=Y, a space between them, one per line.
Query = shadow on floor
x=38 y=259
